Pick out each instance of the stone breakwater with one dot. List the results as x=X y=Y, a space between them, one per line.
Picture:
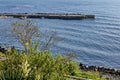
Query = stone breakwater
x=64 y=16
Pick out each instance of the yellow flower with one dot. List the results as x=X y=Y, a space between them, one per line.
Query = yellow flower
x=26 y=44
x=25 y=68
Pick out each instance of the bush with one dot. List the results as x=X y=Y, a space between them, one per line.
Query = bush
x=40 y=66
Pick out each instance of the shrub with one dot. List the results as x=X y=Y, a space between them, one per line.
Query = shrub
x=40 y=66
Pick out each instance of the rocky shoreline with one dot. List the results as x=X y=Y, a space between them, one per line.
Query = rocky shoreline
x=108 y=73
x=100 y=69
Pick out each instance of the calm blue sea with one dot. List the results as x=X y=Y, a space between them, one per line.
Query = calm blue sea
x=97 y=42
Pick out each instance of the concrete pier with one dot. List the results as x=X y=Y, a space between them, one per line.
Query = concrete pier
x=65 y=16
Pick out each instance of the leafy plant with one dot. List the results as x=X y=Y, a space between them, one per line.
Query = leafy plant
x=41 y=66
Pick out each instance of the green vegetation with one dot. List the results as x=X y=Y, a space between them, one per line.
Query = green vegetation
x=41 y=66
x=33 y=64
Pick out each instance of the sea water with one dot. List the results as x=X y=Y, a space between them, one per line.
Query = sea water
x=95 y=41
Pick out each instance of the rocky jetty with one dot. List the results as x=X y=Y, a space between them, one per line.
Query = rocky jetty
x=65 y=16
